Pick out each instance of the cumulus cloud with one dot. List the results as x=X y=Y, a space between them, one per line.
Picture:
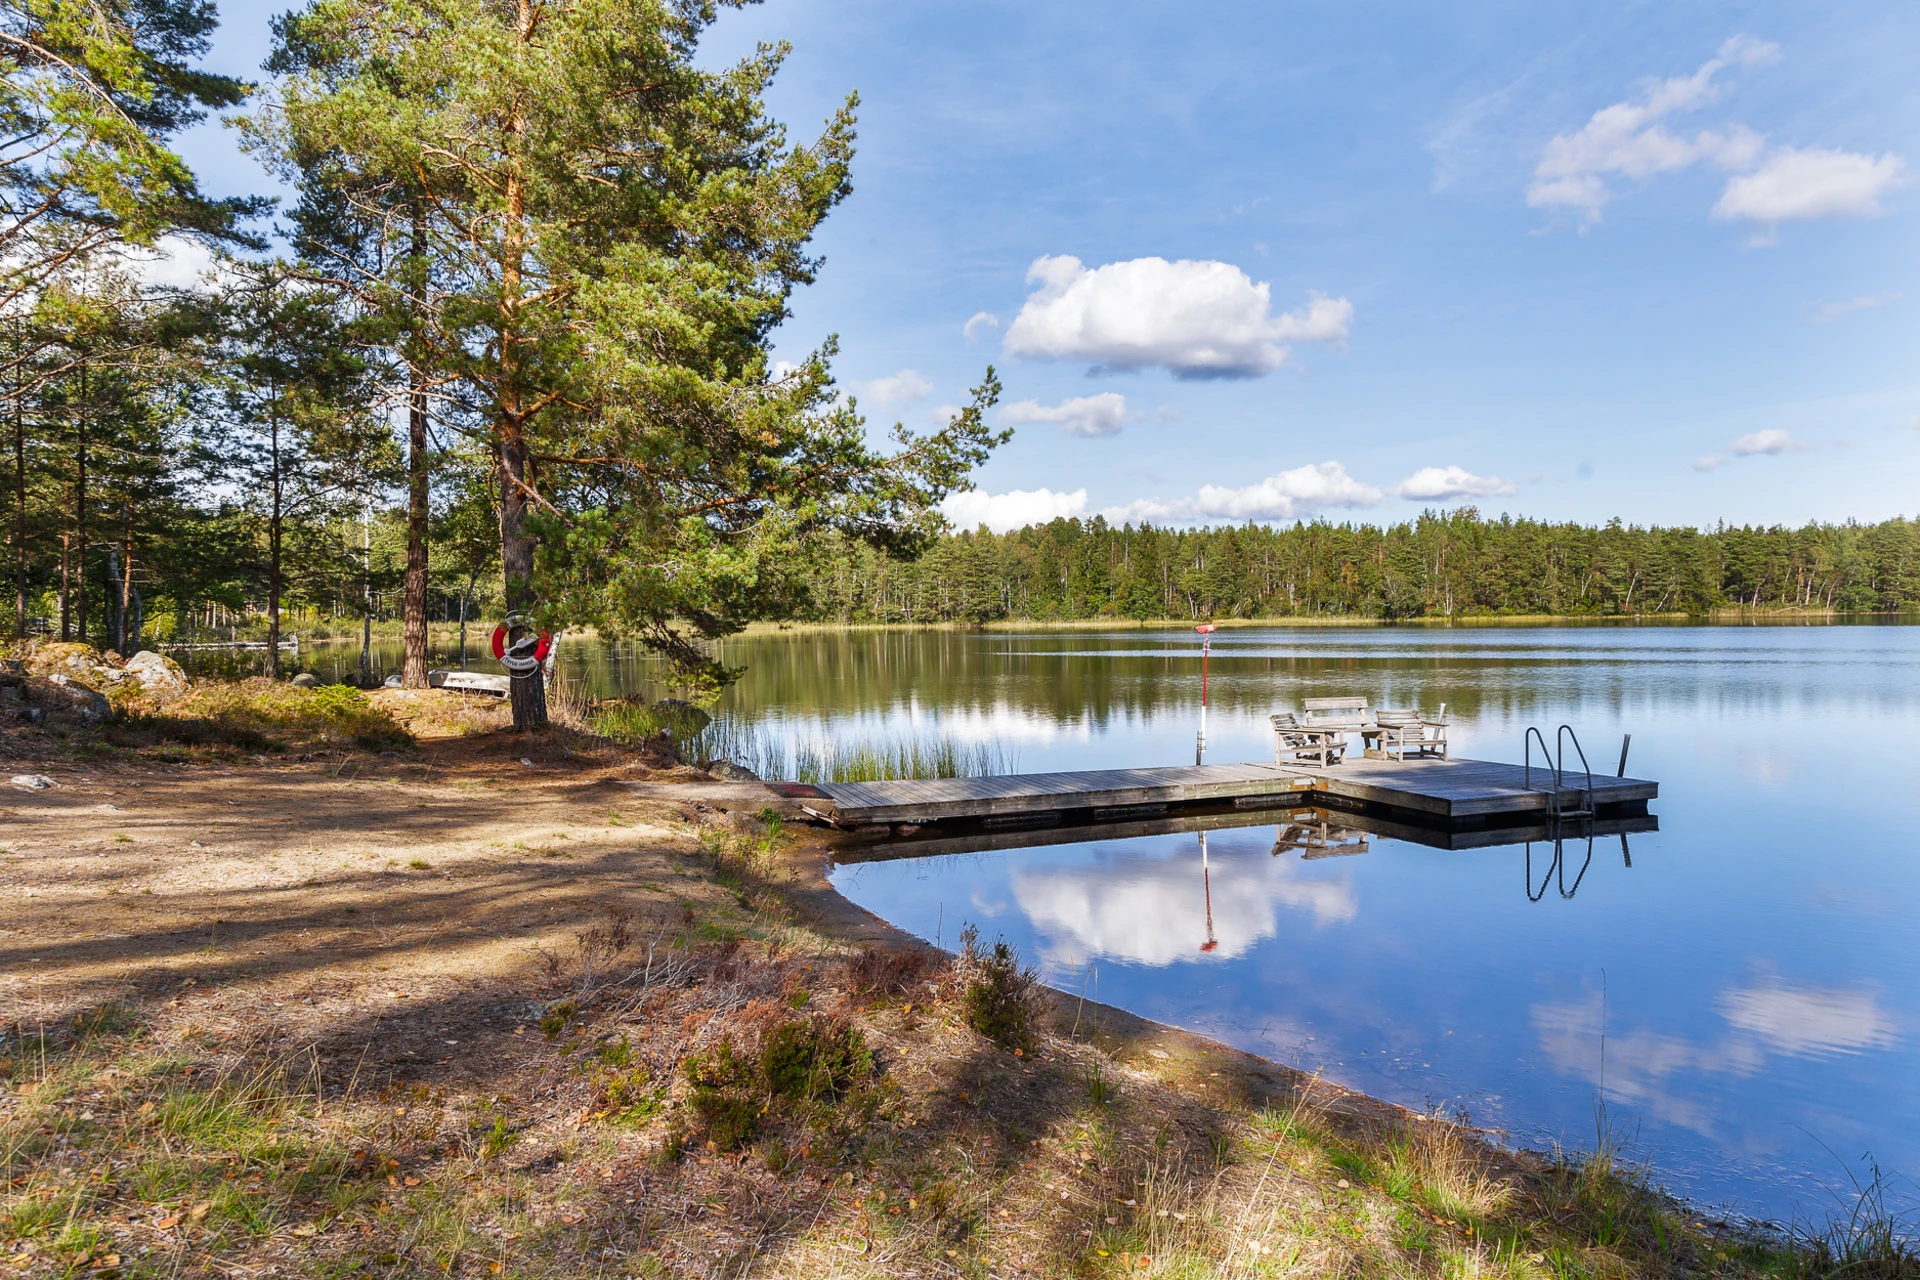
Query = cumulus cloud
x=1797 y=183
x=978 y=321
x=1100 y=415
x=175 y=263
x=903 y=387
x=1285 y=496
x=1772 y=440
x=1195 y=319
x=1754 y=444
x=1628 y=139
x=1434 y=484
x=1015 y=509
x=1828 y=312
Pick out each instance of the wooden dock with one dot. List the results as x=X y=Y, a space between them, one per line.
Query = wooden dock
x=1444 y=791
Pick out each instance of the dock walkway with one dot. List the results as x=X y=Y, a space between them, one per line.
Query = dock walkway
x=1443 y=790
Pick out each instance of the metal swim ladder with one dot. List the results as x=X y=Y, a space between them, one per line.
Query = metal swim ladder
x=1557 y=798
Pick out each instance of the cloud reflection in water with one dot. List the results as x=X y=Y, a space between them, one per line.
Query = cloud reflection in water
x=1151 y=909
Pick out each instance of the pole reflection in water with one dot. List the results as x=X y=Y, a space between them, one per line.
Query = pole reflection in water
x=1206 y=883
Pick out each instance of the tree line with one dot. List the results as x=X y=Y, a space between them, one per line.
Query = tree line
x=520 y=304
x=1442 y=565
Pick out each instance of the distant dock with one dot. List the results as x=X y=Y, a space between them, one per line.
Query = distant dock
x=1446 y=792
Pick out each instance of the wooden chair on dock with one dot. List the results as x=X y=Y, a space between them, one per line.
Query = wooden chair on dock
x=1397 y=732
x=1305 y=744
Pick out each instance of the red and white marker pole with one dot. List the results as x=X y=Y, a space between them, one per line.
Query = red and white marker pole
x=1206 y=630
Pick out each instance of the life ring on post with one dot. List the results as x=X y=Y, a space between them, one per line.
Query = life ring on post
x=520 y=653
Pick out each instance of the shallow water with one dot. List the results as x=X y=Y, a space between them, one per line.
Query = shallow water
x=1744 y=997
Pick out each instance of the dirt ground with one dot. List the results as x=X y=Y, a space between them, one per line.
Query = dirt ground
x=442 y=1011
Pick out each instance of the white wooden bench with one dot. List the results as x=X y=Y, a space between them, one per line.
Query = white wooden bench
x=1344 y=714
x=1304 y=744
x=1396 y=732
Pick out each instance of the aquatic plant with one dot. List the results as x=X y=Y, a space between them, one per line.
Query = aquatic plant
x=887 y=758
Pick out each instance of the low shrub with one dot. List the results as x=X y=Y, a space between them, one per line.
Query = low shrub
x=814 y=1060
x=726 y=1097
x=879 y=973
x=258 y=714
x=998 y=995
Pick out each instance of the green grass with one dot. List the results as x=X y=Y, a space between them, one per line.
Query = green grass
x=771 y=755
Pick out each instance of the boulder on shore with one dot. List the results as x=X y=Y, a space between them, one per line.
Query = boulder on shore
x=728 y=771
x=305 y=680
x=91 y=704
x=155 y=671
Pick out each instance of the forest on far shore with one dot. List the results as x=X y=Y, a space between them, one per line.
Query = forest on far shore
x=1444 y=564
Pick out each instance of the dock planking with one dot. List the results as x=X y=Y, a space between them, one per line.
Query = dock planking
x=1446 y=790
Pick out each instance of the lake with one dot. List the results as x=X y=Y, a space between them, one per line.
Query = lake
x=1741 y=987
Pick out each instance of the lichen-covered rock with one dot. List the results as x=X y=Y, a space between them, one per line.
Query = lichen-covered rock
x=156 y=672
x=90 y=703
x=728 y=771
x=305 y=680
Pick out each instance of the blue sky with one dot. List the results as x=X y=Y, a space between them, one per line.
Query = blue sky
x=1651 y=261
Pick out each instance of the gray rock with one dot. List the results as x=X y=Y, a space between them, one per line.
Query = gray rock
x=393 y=681
x=90 y=705
x=155 y=671
x=13 y=673
x=728 y=771
x=305 y=680
x=32 y=781
x=680 y=716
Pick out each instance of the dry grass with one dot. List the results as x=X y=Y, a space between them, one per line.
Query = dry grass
x=538 y=1117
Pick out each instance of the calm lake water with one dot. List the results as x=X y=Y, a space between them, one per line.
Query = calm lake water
x=1745 y=996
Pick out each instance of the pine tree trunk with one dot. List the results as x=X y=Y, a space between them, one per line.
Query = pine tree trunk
x=274 y=520
x=20 y=503
x=528 y=696
x=528 y=693
x=413 y=673
x=80 y=519
x=413 y=666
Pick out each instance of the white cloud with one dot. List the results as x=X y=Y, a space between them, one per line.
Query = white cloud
x=1439 y=483
x=1797 y=183
x=1755 y=444
x=1772 y=440
x=1628 y=139
x=1196 y=319
x=1285 y=496
x=1828 y=312
x=903 y=387
x=1016 y=509
x=1100 y=415
x=174 y=263
x=976 y=322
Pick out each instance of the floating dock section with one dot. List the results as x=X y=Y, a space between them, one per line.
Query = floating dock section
x=1445 y=792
